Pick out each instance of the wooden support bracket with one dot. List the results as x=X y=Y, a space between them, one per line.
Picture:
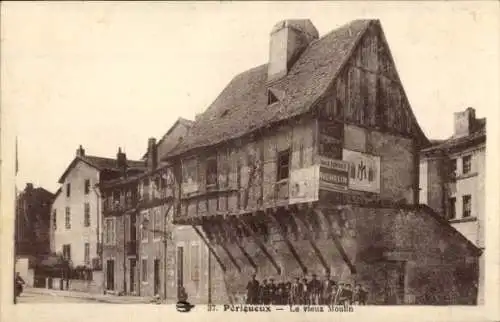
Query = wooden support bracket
x=292 y=250
x=223 y=246
x=260 y=244
x=242 y=249
x=337 y=242
x=311 y=241
x=210 y=248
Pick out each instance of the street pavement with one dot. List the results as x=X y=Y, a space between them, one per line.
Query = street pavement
x=40 y=295
x=50 y=298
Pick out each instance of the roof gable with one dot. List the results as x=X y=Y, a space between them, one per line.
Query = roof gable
x=242 y=107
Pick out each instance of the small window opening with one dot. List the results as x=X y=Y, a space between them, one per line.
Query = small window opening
x=271 y=98
x=283 y=165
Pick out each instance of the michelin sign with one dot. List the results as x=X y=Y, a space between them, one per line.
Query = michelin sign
x=364 y=171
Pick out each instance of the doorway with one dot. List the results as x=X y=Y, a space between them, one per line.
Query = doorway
x=133 y=271
x=156 y=276
x=180 y=269
x=110 y=275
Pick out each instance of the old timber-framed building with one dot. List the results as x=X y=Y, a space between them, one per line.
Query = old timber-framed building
x=310 y=164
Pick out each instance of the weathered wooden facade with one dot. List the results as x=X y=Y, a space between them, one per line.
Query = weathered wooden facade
x=316 y=171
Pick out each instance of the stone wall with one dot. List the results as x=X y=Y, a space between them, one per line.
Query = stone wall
x=430 y=256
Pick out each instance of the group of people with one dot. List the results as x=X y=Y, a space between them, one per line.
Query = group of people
x=304 y=292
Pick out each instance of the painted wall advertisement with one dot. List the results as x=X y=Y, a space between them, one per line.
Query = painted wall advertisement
x=364 y=171
x=304 y=185
x=333 y=174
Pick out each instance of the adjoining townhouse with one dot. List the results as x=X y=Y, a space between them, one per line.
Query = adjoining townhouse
x=76 y=213
x=309 y=164
x=141 y=247
x=32 y=230
x=452 y=177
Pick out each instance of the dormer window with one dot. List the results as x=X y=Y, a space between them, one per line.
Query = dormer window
x=271 y=98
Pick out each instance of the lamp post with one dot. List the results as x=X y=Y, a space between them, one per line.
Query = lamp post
x=165 y=236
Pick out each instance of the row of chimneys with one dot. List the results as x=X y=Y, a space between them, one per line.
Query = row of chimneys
x=121 y=157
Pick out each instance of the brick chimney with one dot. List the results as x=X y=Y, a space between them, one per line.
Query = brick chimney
x=121 y=160
x=464 y=122
x=289 y=38
x=80 y=152
x=152 y=158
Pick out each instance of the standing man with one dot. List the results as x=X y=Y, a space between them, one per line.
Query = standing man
x=252 y=290
x=314 y=290
x=295 y=292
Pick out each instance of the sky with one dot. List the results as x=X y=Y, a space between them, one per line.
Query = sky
x=110 y=74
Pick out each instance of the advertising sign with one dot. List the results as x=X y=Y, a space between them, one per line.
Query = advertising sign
x=304 y=185
x=364 y=171
x=334 y=174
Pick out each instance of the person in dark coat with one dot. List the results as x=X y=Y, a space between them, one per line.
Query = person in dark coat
x=286 y=292
x=345 y=296
x=18 y=285
x=253 y=290
x=272 y=290
x=264 y=292
x=314 y=289
x=295 y=292
x=304 y=292
x=326 y=292
x=360 y=295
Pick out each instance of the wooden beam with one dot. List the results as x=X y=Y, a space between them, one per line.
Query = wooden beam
x=210 y=248
x=260 y=244
x=311 y=241
x=288 y=243
x=242 y=249
x=223 y=246
x=337 y=242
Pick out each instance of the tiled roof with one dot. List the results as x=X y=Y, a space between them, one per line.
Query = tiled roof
x=110 y=164
x=101 y=164
x=478 y=135
x=242 y=106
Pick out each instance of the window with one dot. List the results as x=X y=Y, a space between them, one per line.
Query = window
x=144 y=270
x=67 y=218
x=145 y=232
x=54 y=219
x=145 y=189
x=466 y=206
x=109 y=231
x=190 y=175
x=87 y=186
x=86 y=255
x=68 y=190
x=157 y=224
x=453 y=168
x=301 y=154
x=67 y=251
x=195 y=265
x=452 y=212
x=283 y=165
x=211 y=172
x=466 y=164
x=86 y=214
